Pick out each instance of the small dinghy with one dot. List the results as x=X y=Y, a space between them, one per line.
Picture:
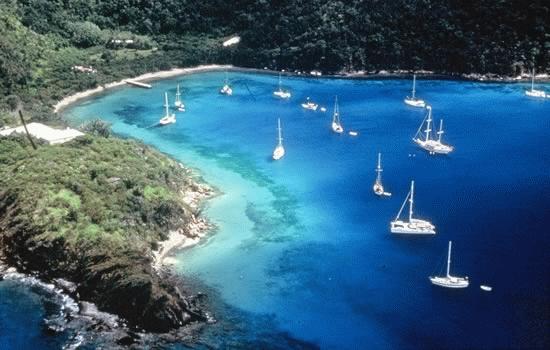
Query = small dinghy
x=486 y=288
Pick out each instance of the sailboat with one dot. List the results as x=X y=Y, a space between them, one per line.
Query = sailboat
x=449 y=281
x=280 y=92
x=178 y=104
x=336 y=123
x=310 y=105
x=431 y=145
x=168 y=118
x=279 y=150
x=533 y=92
x=226 y=89
x=412 y=100
x=412 y=225
x=378 y=188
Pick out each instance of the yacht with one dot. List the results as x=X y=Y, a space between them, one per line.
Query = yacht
x=226 y=89
x=413 y=100
x=280 y=92
x=279 y=150
x=449 y=281
x=378 y=188
x=169 y=118
x=412 y=225
x=310 y=105
x=336 y=123
x=178 y=103
x=533 y=92
x=433 y=146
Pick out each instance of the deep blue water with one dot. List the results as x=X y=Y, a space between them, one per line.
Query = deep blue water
x=303 y=255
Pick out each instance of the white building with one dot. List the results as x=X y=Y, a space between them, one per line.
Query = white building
x=43 y=132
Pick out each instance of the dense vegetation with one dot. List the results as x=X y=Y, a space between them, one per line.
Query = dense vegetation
x=41 y=39
x=91 y=211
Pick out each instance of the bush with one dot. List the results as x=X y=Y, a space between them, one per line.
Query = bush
x=85 y=34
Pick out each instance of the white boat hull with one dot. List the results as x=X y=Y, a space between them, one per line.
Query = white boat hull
x=337 y=128
x=226 y=90
x=434 y=146
x=282 y=94
x=171 y=119
x=415 y=102
x=310 y=106
x=278 y=152
x=450 y=282
x=536 y=93
x=414 y=227
x=378 y=189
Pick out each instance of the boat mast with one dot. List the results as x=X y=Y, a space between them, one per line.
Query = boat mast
x=379 y=171
x=414 y=86
x=166 y=104
x=280 y=138
x=449 y=259
x=178 y=93
x=428 y=122
x=280 y=89
x=440 y=132
x=533 y=80
x=411 y=200
x=336 y=115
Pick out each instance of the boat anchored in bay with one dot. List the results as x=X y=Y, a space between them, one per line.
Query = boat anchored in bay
x=226 y=89
x=429 y=144
x=378 y=188
x=533 y=92
x=279 y=150
x=412 y=225
x=169 y=118
x=336 y=123
x=412 y=100
x=178 y=103
x=449 y=281
x=310 y=105
x=280 y=92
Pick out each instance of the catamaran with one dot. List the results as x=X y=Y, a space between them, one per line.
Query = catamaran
x=168 y=118
x=412 y=226
x=310 y=105
x=226 y=89
x=412 y=100
x=378 y=188
x=178 y=103
x=279 y=150
x=431 y=145
x=449 y=281
x=533 y=92
x=280 y=92
x=336 y=123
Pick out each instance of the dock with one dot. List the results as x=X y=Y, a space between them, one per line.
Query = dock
x=137 y=83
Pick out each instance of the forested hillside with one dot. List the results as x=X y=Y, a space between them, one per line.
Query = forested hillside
x=41 y=39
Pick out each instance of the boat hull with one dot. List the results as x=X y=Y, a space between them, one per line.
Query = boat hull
x=536 y=93
x=415 y=102
x=282 y=94
x=434 y=147
x=310 y=106
x=337 y=128
x=278 y=153
x=450 y=282
x=414 y=227
x=168 y=120
x=226 y=90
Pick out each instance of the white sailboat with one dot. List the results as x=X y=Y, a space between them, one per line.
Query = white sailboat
x=178 y=103
x=431 y=145
x=533 y=92
x=168 y=118
x=310 y=105
x=412 y=225
x=280 y=92
x=279 y=150
x=336 y=123
x=226 y=89
x=449 y=281
x=378 y=188
x=412 y=100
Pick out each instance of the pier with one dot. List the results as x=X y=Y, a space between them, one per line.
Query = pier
x=137 y=83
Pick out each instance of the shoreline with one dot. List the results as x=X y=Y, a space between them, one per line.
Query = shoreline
x=360 y=75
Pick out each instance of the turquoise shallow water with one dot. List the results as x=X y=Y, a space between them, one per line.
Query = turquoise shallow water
x=303 y=256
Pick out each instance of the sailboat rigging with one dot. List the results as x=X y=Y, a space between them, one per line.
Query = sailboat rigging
x=449 y=281
x=168 y=118
x=378 y=188
x=413 y=100
x=336 y=123
x=279 y=150
x=433 y=146
x=412 y=225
